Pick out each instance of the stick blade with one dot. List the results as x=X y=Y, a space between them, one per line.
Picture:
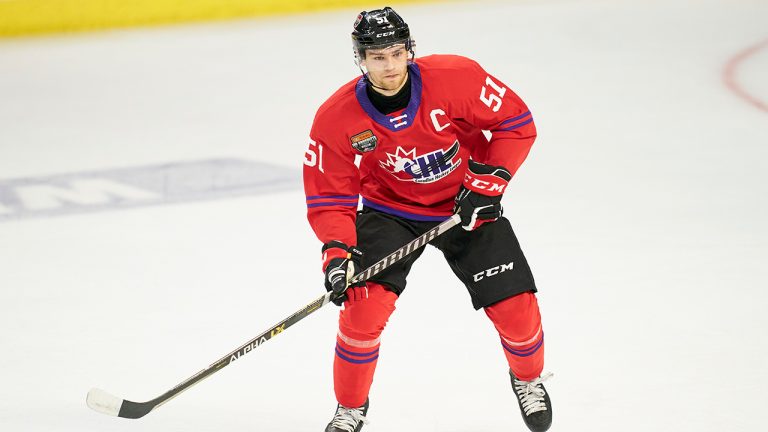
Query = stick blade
x=103 y=402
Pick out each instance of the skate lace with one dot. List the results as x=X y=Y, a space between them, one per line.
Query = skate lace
x=348 y=418
x=531 y=394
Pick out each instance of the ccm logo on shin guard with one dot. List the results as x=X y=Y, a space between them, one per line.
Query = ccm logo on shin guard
x=493 y=271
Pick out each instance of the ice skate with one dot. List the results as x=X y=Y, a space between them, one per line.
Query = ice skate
x=534 y=402
x=348 y=419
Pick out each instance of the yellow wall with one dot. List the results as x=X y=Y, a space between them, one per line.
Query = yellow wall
x=28 y=17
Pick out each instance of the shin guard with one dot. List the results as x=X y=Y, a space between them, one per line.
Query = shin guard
x=518 y=321
x=357 y=344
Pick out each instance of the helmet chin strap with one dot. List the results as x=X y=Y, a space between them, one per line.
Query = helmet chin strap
x=368 y=80
x=375 y=86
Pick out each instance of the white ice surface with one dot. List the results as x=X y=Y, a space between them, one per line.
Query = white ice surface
x=642 y=209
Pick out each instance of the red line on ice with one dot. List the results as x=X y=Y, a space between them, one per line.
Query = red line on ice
x=731 y=80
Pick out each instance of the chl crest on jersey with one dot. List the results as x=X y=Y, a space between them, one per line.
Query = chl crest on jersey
x=427 y=168
x=364 y=141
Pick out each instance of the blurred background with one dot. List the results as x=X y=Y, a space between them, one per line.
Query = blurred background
x=152 y=216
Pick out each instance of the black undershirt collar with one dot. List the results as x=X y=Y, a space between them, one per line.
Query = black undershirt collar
x=390 y=104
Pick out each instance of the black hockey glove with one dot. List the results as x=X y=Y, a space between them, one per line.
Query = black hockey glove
x=479 y=198
x=341 y=263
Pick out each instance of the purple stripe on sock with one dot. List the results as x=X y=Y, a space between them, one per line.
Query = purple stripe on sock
x=339 y=347
x=525 y=352
x=351 y=360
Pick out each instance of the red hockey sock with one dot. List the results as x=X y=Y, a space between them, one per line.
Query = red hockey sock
x=357 y=344
x=518 y=322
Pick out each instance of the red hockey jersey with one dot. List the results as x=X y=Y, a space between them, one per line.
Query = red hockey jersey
x=411 y=162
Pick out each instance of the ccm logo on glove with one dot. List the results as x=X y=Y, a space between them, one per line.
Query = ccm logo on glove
x=486 y=184
x=479 y=199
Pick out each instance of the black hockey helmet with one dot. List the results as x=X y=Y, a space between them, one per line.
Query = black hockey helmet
x=379 y=28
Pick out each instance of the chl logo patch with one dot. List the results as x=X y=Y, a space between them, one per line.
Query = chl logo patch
x=427 y=168
x=364 y=141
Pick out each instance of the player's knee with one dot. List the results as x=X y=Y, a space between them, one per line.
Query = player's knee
x=366 y=319
x=517 y=317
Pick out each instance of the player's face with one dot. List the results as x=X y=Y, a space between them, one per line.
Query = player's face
x=388 y=67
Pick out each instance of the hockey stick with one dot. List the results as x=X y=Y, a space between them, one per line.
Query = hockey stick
x=105 y=403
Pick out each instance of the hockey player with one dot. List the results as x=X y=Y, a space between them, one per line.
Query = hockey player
x=407 y=138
